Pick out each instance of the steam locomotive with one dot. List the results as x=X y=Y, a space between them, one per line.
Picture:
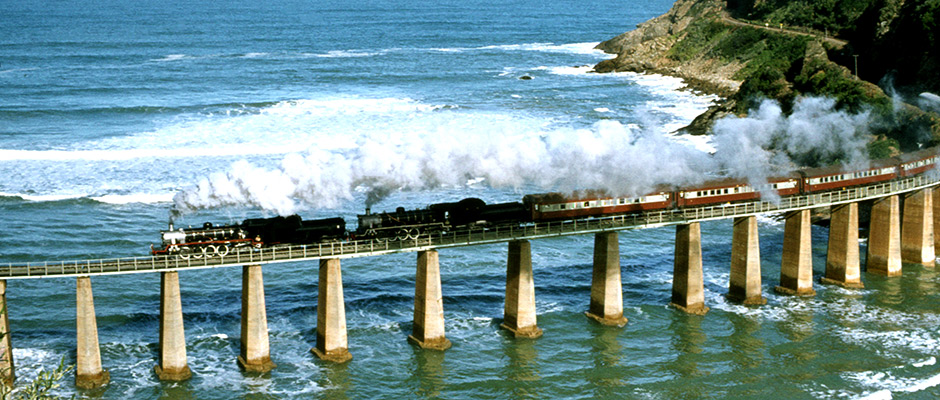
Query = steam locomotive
x=441 y=218
x=437 y=218
x=210 y=240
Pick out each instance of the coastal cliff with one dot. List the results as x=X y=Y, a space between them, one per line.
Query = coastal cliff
x=647 y=49
x=767 y=56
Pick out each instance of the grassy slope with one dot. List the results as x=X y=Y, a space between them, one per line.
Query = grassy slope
x=784 y=66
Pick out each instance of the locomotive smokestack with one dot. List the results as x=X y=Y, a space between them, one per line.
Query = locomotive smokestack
x=368 y=210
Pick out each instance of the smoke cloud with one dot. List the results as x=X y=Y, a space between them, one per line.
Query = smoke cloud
x=814 y=134
x=609 y=155
x=929 y=101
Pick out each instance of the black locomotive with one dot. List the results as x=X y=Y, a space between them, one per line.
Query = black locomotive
x=210 y=240
x=438 y=218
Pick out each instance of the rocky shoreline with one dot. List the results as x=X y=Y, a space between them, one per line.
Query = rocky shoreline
x=646 y=49
x=686 y=42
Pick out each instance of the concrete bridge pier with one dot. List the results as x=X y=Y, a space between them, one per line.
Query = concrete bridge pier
x=884 y=237
x=796 y=269
x=688 y=285
x=745 y=285
x=7 y=372
x=936 y=218
x=428 y=328
x=519 y=311
x=172 y=366
x=842 y=260
x=88 y=371
x=917 y=234
x=331 y=314
x=255 y=355
x=606 y=305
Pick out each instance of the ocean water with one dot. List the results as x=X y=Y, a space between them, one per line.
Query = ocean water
x=107 y=110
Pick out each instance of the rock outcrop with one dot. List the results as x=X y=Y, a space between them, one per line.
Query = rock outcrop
x=646 y=49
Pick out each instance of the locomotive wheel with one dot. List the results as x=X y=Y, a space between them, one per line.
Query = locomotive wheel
x=185 y=252
x=210 y=251
x=198 y=253
x=402 y=234
x=223 y=250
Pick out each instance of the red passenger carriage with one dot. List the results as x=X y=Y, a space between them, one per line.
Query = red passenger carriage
x=554 y=206
x=731 y=190
x=918 y=162
x=836 y=177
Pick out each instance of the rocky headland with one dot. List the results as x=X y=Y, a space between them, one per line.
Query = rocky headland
x=647 y=50
x=746 y=61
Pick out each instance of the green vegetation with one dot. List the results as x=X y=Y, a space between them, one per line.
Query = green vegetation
x=786 y=66
x=834 y=16
x=882 y=148
x=771 y=60
x=700 y=36
x=824 y=78
x=40 y=388
x=892 y=38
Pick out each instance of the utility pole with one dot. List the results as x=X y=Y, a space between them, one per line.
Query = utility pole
x=856 y=64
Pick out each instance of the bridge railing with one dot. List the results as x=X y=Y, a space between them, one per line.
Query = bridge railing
x=466 y=237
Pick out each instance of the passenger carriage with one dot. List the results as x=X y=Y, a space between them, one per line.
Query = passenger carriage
x=555 y=206
x=731 y=190
x=836 y=177
x=918 y=162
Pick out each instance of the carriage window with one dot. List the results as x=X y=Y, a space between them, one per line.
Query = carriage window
x=587 y=204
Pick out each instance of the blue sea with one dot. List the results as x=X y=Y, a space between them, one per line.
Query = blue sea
x=109 y=110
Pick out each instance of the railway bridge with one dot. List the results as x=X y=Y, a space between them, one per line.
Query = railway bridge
x=891 y=242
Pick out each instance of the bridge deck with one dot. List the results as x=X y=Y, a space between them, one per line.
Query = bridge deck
x=350 y=249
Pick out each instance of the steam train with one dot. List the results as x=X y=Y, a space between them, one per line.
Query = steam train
x=403 y=224
x=210 y=240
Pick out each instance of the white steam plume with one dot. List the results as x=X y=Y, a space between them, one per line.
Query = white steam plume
x=607 y=156
x=767 y=142
x=929 y=101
